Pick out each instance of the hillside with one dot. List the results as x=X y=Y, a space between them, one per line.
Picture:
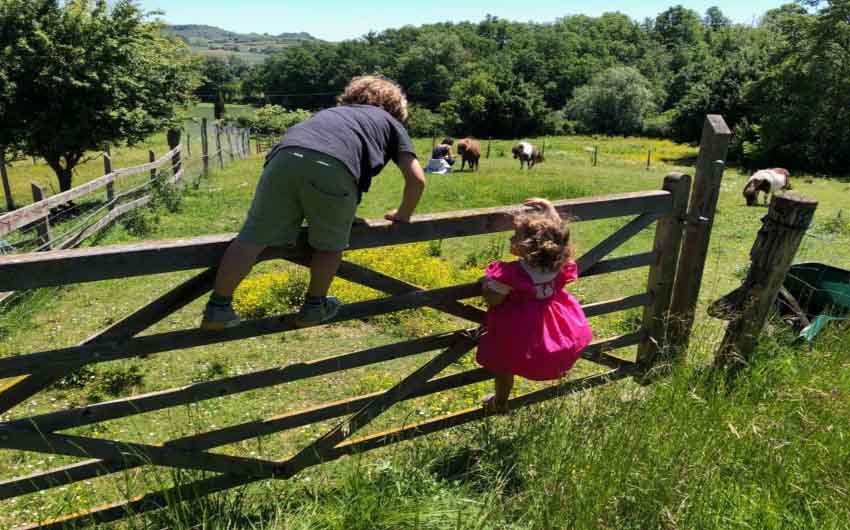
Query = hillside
x=253 y=47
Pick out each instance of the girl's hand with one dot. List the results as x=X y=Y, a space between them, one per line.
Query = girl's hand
x=395 y=217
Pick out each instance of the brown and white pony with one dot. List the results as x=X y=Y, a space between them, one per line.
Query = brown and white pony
x=769 y=181
x=527 y=154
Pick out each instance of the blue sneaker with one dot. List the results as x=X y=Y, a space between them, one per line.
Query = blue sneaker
x=315 y=314
x=219 y=317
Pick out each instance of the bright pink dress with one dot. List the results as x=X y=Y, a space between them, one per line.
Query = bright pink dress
x=540 y=330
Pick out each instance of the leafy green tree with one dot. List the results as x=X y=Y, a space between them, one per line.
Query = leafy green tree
x=715 y=19
x=216 y=78
x=800 y=103
x=430 y=66
x=423 y=122
x=78 y=74
x=219 y=107
x=615 y=102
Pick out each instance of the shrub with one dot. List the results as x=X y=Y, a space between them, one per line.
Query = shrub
x=615 y=101
x=423 y=122
x=274 y=120
x=283 y=292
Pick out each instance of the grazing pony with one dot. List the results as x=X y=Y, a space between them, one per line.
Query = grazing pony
x=768 y=181
x=527 y=154
x=470 y=153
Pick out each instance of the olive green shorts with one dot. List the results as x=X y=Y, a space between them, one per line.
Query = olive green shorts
x=300 y=184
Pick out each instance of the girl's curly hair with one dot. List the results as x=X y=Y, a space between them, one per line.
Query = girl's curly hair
x=543 y=241
x=378 y=92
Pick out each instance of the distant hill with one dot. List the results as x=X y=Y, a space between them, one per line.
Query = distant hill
x=253 y=47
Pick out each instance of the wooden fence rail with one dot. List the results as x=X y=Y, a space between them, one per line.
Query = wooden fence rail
x=31 y=372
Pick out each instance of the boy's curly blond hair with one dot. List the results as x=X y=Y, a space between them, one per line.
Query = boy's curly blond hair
x=544 y=242
x=376 y=91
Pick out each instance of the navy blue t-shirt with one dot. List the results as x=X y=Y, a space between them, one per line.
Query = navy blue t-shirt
x=363 y=137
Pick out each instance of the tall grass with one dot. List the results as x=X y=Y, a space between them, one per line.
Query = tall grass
x=768 y=450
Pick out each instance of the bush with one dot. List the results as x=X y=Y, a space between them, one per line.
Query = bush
x=423 y=122
x=659 y=125
x=615 y=101
x=274 y=120
x=282 y=292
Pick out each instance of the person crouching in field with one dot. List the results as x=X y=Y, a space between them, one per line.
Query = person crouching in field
x=535 y=329
x=319 y=171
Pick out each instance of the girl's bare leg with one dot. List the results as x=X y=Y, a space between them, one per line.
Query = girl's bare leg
x=498 y=403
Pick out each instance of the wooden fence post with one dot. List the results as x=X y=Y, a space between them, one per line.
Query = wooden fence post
x=648 y=159
x=228 y=133
x=173 y=138
x=107 y=169
x=42 y=227
x=489 y=141
x=218 y=146
x=709 y=172
x=595 y=155
x=776 y=245
x=188 y=145
x=668 y=241
x=152 y=159
x=7 y=190
x=205 y=147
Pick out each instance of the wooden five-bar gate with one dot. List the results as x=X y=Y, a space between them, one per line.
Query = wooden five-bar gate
x=670 y=297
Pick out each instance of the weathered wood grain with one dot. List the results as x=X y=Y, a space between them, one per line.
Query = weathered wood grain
x=100 y=263
x=190 y=338
x=662 y=275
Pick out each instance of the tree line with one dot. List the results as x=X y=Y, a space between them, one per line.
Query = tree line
x=782 y=83
x=75 y=74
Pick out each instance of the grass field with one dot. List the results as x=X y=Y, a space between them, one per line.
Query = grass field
x=770 y=453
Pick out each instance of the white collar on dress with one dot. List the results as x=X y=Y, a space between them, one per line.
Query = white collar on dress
x=538 y=275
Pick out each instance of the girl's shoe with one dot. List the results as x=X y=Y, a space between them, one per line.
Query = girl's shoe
x=315 y=314
x=492 y=407
x=217 y=318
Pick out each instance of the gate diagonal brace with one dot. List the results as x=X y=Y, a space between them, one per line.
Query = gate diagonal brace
x=26 y=386
x=615 y=240
x=393 y=286
x=324 y=446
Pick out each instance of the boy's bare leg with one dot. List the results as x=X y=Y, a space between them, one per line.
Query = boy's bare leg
x=323 y=268
x=237 y=262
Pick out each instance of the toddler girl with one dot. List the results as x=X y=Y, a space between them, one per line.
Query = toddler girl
x=535 y=329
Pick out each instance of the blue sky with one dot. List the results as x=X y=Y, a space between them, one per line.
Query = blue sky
x=344 y=19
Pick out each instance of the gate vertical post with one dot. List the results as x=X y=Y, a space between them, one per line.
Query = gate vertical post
x=700 y=220
x=662 y=274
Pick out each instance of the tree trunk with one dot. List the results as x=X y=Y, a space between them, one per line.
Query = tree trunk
x=64 y=174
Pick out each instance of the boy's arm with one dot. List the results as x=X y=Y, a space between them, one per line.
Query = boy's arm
x=414 y=186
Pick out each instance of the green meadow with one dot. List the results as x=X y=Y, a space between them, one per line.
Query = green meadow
x=770 y=451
